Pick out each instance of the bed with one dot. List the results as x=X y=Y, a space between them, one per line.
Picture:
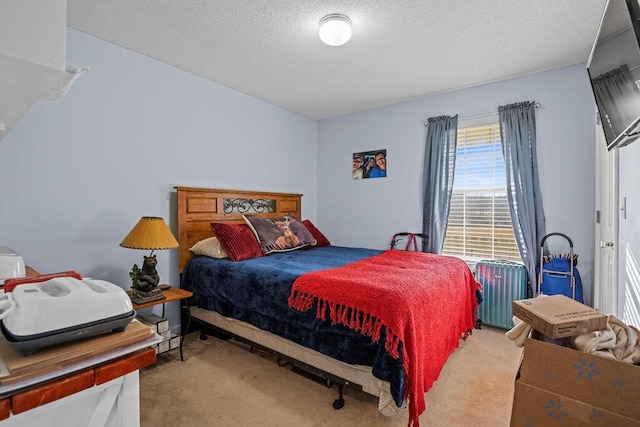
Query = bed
x=285 y=301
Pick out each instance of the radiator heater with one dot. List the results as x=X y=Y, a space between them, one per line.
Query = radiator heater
x=502 y=282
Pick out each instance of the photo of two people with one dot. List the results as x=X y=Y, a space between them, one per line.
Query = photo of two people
x=370 y=164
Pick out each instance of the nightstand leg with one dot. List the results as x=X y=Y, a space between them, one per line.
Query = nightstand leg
x=184 y=330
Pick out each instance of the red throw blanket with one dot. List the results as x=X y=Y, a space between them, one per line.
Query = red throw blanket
x=424 y=301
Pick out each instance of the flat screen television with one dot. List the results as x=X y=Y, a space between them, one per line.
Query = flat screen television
x=614 y=69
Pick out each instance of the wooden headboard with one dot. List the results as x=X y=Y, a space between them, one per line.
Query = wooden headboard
x=198 y=207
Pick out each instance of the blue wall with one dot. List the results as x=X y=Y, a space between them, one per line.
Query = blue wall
x=368 y=212
x=77 y=174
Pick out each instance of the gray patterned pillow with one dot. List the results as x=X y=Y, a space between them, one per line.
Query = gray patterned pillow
x=282 y=234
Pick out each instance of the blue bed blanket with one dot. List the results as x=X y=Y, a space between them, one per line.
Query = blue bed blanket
x=256 y=291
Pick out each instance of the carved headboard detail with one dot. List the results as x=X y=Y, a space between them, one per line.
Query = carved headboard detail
x=198 y=207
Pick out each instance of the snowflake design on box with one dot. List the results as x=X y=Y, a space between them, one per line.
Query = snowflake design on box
x=618 y=382
x=586 y=369
x=555 y=410
x=549 y=375
x=596 y=413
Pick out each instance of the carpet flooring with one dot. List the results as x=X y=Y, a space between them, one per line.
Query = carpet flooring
x=221 y=383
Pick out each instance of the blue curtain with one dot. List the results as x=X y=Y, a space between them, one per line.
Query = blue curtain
x=437 y=179
x=518 y=132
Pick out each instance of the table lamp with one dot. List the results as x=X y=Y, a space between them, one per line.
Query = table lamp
x=150 y=233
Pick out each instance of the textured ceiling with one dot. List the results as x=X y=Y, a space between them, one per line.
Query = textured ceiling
x=400 y=49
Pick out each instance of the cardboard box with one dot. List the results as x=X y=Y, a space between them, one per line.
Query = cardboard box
x=559 y=316
x=533 y=406
x=562 y=386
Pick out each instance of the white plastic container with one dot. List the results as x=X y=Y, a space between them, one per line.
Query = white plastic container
x=11 y=264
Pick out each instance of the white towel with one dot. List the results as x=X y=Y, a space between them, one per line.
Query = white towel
x=596 y=342
x=519 y=332
x=618 y=342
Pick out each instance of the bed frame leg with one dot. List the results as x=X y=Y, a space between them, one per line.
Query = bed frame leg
x=339 y=402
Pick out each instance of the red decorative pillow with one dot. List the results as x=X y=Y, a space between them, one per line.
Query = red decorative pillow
x=237 y=240
x=321 y=239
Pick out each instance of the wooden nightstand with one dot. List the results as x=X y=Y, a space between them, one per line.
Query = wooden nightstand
x=171 y=294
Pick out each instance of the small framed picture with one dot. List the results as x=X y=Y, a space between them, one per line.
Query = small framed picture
x=370 y=164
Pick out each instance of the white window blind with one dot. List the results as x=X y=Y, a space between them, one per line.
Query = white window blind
x=479 y=225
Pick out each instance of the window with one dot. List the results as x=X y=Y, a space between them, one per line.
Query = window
x=479 y=224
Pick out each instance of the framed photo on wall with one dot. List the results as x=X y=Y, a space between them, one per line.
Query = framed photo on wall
x=370 y=164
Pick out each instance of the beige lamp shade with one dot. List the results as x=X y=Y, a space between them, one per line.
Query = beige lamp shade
x=150 y=233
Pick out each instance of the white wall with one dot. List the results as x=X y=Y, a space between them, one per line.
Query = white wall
x=77 y=174
x=368 y=212
x=32 y=55
x=629 y=235
x=622 y=49
x=34 y=31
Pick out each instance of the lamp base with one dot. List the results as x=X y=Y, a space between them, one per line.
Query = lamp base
x=144 y=297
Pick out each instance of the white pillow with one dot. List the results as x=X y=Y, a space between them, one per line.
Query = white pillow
x=209 y=247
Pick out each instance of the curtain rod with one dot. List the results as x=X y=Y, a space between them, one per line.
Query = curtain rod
x=487 y=114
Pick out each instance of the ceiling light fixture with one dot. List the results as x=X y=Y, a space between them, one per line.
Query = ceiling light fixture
x=335 y=29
